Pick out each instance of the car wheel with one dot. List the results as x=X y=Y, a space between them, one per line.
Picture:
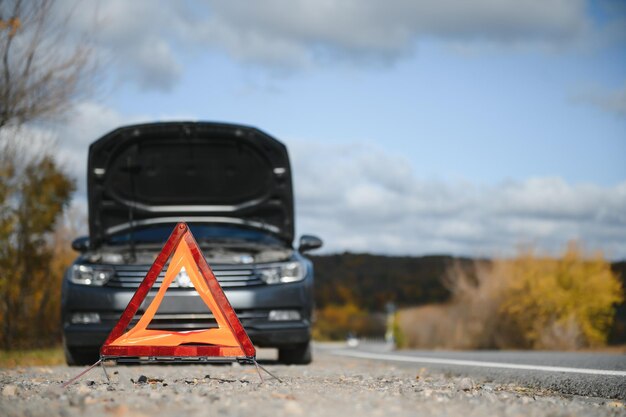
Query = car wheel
x=81 y=356
x=299 y=354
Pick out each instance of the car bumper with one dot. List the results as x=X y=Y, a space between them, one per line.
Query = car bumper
x=184 y=310
x=262 y=335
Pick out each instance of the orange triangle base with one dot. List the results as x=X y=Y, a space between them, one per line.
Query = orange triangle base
x=229 y=340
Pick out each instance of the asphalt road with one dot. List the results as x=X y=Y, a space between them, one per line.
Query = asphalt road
x=600 y=375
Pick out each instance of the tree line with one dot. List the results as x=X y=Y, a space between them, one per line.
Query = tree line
x=350 y=287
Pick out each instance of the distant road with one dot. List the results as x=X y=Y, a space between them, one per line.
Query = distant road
x=588 y=374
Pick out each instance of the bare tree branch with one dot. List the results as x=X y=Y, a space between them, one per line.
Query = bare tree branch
x=42 y=73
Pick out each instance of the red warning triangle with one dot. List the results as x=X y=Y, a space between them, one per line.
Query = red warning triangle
x=228 y=340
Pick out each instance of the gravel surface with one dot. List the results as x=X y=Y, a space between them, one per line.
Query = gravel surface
x=331 y=386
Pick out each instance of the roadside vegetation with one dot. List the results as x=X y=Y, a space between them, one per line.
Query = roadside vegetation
x=41 y=82
x=35 y=245
x=527 y=302
x=336 y=322
x=352 y=290
x=32 y=357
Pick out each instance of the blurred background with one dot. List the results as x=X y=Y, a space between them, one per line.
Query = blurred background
x=462 y=160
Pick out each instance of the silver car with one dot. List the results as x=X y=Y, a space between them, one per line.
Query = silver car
x=232 y=185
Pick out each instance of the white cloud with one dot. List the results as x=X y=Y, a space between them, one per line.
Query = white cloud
x=303 y=31
x=138 y=41
x=382 y=207
x=146 y=41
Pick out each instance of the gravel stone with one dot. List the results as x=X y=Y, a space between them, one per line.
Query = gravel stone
x=330 y=386
x=465 y=384
x=9 y=390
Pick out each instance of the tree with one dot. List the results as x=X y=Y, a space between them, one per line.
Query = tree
x=34 y=196
x=41 y=76
x=572 y=297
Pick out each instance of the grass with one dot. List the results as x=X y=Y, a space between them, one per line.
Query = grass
x=34 y=357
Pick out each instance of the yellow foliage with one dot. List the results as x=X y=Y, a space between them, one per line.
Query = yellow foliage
x=34 y=247
x=546 y=292
x=334 y=322
x=528 y=302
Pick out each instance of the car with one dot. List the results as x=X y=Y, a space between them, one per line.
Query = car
x=232 y=185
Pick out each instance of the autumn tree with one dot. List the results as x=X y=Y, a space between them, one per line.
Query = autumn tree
x=33 y=195
x=550 y=300
x=42 y=74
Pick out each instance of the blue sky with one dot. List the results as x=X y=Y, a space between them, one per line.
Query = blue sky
x=414 y=127
x=489 y=117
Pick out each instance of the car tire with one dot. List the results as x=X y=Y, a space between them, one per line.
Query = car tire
x=80 y=357
x=299 y=354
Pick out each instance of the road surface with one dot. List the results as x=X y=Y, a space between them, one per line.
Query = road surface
x=587 y=374
x=333 y=385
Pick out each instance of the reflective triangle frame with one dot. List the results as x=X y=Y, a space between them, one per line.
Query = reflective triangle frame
x=228 y=341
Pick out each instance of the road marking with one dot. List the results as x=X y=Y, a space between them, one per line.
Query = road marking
x=482 y=364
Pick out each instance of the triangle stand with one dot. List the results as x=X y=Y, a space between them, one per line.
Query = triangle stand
x=229 y=342
x=101 y=363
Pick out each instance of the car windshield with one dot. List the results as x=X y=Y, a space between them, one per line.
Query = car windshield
x=204 y=233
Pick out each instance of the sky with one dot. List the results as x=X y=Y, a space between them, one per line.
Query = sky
x=414 y=127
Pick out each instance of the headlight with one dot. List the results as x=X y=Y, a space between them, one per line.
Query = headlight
x=90 y=274
x=283 y=273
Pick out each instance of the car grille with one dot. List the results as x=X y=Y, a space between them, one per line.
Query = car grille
x=186 y=321
x=130 y=276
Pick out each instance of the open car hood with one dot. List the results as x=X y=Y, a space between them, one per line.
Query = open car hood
x=189 y=171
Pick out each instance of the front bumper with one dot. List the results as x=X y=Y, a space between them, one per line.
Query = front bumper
x=269 y=334
x=183 y=309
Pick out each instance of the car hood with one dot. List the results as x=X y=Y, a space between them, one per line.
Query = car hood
x=189 y=171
